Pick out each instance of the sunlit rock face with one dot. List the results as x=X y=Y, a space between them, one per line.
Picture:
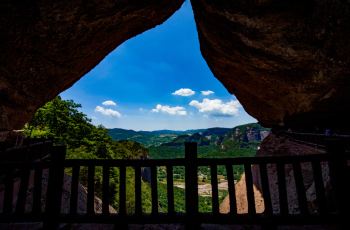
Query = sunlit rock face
x=287 y=61
x=47 y=46
x=275 y=145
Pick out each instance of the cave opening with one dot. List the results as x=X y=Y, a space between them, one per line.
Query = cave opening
x=166 y=82
x=158 y=80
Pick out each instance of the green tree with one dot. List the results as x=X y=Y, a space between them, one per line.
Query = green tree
x=61 y=120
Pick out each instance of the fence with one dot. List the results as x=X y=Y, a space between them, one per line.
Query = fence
x=45 y=201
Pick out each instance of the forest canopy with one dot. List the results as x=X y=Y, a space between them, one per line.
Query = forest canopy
x=62 y=121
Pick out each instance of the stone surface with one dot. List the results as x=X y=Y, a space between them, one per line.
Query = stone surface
x=242 y=207
x=275 y=145
x=286 y=61
x=47 y=46
x=241 y=199
x=65 y=204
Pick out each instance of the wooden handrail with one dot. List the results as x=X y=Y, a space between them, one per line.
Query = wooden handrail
x=52 y=216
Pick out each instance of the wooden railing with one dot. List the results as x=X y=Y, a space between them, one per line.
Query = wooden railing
x=330 y=175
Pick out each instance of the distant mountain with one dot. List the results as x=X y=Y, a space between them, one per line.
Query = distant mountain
x=224 y=137
x=175 y=132
x=121 y=134
x=149 y=138
x=211 y=136
x=215 y=131
x=241 y=140
x=248 y=133
x=203 y=138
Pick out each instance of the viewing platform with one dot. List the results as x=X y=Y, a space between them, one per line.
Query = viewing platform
x=44 y=161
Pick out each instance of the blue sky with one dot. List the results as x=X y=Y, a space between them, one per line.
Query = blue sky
x=154 y=81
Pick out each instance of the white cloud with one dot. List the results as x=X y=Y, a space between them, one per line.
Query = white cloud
x=107 y=112
x=177 y=110
x=109 y=103
x=207 y=92
x=217 y=107
x=185 y=92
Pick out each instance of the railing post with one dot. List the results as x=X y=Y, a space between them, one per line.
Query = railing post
x=338 y=170
x=54 y=189
x=191 y=185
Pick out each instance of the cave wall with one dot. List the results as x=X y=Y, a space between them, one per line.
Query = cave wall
x=287 y=61
x=46 y=46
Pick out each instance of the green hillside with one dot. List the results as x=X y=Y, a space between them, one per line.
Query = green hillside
x=241 y=141
x=158 y=137
x=143 y=137
x=211 y=136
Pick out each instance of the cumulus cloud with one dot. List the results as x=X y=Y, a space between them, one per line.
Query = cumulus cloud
x=207 y=92
x=177 y=110
x=107 y=112
x=217 y=107
x=109 y=103
x=185 y=92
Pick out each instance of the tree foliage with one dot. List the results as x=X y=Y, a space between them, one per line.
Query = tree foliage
x=62 y=121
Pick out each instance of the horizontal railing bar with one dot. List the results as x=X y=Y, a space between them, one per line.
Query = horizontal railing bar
x=27 y=164
x=199 y=161
x=205 y=218
x=262 y=159
x=319 y=135
x=27 y=147
x=179 y=218
x=174 y=162
x=125 y=163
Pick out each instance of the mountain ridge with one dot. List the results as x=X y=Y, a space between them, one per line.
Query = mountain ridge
x=246 y=132
x=156 y=137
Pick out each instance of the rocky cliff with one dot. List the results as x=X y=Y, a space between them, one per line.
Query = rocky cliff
x=280 y=145
x=242 y=207
x=286 y=60
x=47 y=46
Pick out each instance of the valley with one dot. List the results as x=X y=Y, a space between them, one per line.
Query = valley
x=240 y=141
